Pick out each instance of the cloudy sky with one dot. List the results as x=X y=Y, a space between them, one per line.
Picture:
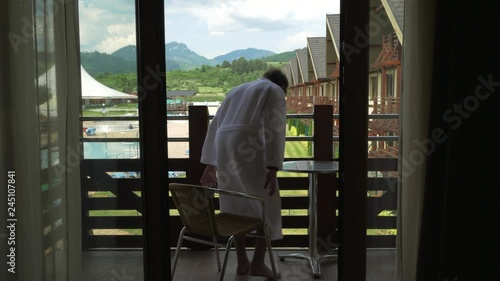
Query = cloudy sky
x=210 y=27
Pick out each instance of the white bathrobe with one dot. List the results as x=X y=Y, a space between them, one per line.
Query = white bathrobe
x=247 y=135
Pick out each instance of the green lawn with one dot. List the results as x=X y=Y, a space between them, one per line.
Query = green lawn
x=294 y=149
x=207 y=89
x=114 y=110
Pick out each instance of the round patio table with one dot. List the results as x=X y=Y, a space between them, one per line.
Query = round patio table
x=312 y=168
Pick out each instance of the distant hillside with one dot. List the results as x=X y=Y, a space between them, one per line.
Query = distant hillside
x=128 y=53
x=248 y=54
x=95 y=63
x=178 y=57
x=186 y=59
x=282 y=57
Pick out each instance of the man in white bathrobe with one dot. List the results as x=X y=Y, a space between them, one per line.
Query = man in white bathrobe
x=244 y=149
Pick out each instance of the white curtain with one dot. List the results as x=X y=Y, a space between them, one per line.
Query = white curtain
x=40 y=84
x=417 y=81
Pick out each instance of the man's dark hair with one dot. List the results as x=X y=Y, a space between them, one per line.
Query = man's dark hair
x=277 y=77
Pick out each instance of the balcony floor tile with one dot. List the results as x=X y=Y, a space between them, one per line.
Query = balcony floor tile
x=202 y=266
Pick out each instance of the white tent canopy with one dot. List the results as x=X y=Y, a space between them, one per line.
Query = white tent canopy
x=92 y=89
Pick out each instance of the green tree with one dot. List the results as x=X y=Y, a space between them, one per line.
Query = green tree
x=226 y=64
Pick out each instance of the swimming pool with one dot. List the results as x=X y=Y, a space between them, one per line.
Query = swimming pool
x=111 y=150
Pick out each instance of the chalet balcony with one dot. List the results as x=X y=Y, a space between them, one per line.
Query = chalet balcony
x=112 y=206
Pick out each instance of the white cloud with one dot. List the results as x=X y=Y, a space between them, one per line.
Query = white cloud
x=120 y=35
x=106 y=26
x=210 y=27
x=217 y=18
x=221 y=17
x=121 y=29
x=297 y=40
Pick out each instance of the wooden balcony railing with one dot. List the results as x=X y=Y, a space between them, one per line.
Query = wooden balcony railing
x=112 y=206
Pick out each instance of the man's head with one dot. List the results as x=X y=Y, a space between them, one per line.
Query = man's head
x=277 y=77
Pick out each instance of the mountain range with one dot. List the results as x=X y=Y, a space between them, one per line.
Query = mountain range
x=178 y=57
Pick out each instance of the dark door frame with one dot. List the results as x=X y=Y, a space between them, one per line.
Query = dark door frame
x=354 y=21
x=150 y=32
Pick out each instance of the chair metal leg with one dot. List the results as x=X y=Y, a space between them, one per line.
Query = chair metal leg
x=226 y=258
x=177 y=251
x=271 y=256
x=217 y=253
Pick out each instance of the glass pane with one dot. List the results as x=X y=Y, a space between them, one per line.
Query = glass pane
x=111 y=150
x=178 y=149
x=111 y=202
x=54 y=220
x=110 y=129
x=384 y=92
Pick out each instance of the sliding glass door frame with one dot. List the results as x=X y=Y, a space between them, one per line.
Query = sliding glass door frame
x=354 y=23
x=150 y=30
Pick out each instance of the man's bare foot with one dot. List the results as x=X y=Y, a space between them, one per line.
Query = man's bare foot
x=263 y=271
x=243 y=269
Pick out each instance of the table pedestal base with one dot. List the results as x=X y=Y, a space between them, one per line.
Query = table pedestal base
x=314 y=261
x=312 y=168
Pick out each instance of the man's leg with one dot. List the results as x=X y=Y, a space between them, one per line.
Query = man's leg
x=241 y=255
x=258 y=267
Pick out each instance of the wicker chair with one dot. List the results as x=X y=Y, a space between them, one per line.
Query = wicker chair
x=196 y=209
